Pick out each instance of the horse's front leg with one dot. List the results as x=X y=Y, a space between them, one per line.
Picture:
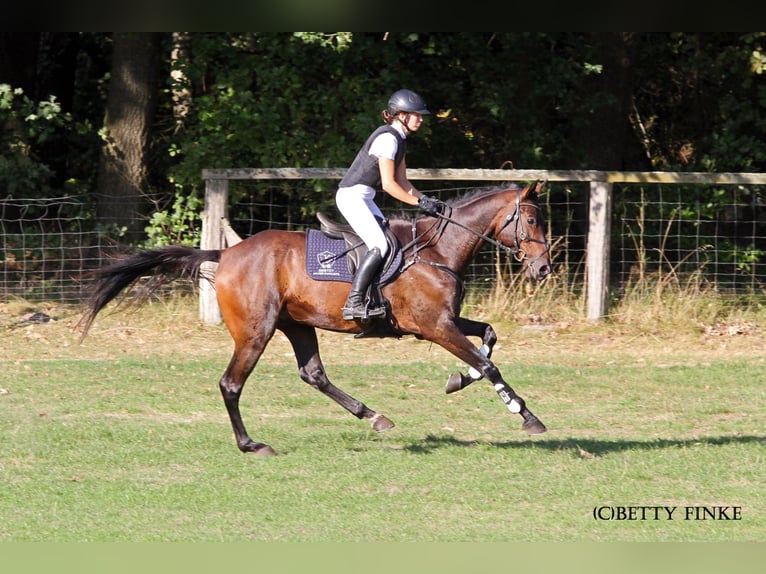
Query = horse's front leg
x=515 y=404
x=471 y=328
x=453 y=340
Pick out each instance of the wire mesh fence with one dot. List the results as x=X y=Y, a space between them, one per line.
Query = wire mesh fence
x=46 y=245
x=713 y=232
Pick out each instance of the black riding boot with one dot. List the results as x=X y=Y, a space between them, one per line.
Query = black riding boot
x=355 y=307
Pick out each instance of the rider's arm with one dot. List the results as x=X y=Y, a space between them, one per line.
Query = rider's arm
x=395 y=183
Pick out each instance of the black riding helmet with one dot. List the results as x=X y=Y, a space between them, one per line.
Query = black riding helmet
x=407 y=101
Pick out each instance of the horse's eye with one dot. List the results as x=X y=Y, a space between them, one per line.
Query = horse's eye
x=531 y=221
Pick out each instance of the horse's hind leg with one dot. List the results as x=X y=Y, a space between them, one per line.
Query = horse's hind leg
x=306 y=346
x=233 y=380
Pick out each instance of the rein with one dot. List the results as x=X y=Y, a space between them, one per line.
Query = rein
x=515 y=216
x=519 y=235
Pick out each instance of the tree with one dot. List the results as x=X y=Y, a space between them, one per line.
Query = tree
x=599 y=133
x=123 y=173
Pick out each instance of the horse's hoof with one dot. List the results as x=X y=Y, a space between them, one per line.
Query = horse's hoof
x=257 y=449
x=533 y=425
x=454 y=383
x=381 y=423
x=264 y=450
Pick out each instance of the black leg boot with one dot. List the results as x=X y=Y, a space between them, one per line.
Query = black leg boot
x=355 y=307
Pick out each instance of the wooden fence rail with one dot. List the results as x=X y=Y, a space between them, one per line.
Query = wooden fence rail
x=597 y=251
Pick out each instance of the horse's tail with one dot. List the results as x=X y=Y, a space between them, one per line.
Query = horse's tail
x=162 y=265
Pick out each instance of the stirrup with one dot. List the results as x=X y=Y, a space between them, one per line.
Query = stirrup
x=376 y=311
x=362 y=312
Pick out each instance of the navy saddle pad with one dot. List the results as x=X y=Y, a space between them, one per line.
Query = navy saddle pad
x=326 y=259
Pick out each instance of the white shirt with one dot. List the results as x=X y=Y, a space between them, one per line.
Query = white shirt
x=386 y=145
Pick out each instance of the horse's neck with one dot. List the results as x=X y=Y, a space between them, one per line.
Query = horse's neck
x=457 y=246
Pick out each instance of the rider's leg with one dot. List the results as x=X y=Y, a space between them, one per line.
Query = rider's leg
x=357 y=206
x=356 y=307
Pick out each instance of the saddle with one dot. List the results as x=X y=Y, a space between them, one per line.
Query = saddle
x=356 y=247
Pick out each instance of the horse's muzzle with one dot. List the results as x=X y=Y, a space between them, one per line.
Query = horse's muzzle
x=539 y=269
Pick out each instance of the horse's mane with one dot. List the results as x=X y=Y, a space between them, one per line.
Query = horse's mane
x=474 y=194
x=479 y=193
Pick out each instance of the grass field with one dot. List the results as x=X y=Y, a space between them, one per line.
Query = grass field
x=125 y=437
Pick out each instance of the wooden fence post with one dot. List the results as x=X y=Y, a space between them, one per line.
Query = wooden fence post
x=216 y=202
x=597 y=255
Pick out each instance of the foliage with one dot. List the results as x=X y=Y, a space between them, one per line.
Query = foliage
x=674 y=101
x=25 y=126
x=704 y=110
x=506 y=98
x=178 y=225
x=299 y=100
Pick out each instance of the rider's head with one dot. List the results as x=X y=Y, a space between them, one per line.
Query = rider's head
x=406 y=101
x=401 y=104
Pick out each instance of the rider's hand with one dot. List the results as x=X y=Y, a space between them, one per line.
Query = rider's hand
x=430 y=205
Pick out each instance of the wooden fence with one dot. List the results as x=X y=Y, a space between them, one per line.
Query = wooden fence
x=214 y=229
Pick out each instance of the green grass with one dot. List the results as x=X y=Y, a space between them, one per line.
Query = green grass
x=125 y=438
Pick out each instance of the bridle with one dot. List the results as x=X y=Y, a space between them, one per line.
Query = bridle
x=519 y=232
x=514 y=219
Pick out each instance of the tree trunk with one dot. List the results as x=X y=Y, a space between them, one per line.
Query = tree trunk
x=599 y=142
x=123 y=173
x=181 y=86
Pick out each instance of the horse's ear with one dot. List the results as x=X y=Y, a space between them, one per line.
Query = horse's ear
x=534 y=189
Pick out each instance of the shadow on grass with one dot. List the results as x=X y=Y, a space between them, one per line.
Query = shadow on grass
x=586 y=447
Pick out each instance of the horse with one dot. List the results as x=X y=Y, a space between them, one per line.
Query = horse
x=262 y=286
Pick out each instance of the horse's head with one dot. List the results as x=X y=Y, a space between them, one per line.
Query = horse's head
x=522 y=230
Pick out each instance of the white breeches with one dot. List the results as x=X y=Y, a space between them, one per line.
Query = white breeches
x=358 y=207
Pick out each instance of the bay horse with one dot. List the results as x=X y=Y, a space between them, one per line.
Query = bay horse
x=262 y=286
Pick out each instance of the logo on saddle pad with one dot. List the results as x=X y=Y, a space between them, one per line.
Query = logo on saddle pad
x=327 y=261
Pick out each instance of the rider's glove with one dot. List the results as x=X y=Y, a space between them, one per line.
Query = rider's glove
x=430 y=205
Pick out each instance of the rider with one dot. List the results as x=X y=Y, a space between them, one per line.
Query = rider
x=380 y=164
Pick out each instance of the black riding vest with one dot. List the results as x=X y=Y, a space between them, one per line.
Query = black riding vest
x=364 y=168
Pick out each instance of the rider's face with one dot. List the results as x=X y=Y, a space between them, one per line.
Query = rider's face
x=411 y=120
